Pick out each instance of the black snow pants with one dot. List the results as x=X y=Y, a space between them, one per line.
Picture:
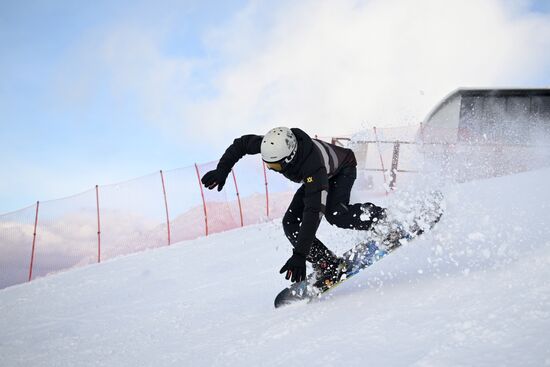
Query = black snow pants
x=338 y=212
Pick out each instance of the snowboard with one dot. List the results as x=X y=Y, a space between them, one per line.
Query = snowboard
x=386 y=237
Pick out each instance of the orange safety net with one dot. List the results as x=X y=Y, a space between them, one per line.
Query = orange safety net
x=167 y=207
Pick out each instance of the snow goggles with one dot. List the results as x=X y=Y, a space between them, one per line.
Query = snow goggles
x=275 y=166
x=282 y=164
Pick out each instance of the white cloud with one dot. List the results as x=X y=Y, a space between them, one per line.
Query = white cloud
x=330 y=66
x=327 y=66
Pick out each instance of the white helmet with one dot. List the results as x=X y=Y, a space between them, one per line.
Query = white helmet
x=279 y=146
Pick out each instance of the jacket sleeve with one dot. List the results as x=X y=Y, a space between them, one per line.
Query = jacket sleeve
x=246 y=144
x=315 y=198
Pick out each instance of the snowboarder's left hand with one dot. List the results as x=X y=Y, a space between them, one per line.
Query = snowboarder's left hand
x=295 y=267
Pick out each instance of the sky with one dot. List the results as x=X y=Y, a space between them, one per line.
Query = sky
x=101 y=92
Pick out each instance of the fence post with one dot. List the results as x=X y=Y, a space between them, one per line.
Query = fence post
x=203 y=201
x=394 y=164
x=238 y=197
x=98 y=225
x=422 y=142
x=33 y=240
x=266 y=190
x=380 y=153
x=165 y=205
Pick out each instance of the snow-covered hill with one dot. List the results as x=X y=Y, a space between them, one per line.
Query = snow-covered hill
x=473 y=292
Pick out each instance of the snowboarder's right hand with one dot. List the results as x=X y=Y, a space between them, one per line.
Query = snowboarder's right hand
x=214 y=178
x=295 y=267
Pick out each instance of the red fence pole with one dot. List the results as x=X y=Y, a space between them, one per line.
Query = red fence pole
x=238 y=198
x=203 y=201
x=165 y=205
x=33 y=240
x=98 y=224
x=266 y=190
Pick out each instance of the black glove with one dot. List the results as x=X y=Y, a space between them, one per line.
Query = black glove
x=214 y=178
x=295 y=267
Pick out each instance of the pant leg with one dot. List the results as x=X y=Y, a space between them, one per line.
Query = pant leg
x=291 y=225
x=340 y=212
x=293 y=216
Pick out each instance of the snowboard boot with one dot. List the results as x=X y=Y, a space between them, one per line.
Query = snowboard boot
x=328 y=267
x=370 y=215
x=390 y=233
x=329 y=272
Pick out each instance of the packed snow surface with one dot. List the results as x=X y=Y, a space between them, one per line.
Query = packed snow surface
x=474 y=291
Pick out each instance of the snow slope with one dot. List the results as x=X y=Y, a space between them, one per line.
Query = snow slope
x=473 y=292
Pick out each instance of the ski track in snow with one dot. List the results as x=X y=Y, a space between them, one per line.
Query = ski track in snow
x=473 y=291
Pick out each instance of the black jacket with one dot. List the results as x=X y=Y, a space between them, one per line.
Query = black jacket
x=314 y=164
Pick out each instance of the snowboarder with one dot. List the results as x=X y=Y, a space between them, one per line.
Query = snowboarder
x=327 y=173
